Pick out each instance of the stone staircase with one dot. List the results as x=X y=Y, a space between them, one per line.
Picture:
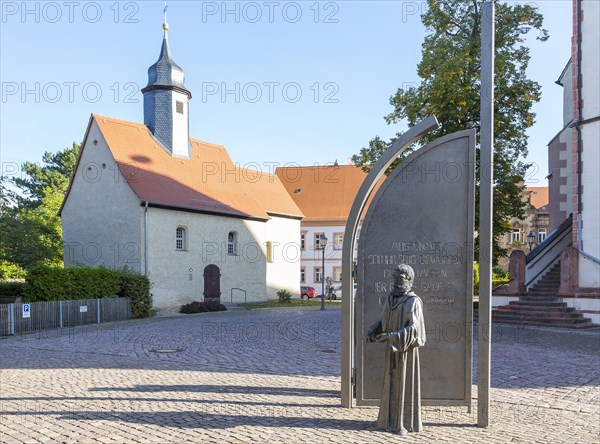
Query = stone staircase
x=541 y=306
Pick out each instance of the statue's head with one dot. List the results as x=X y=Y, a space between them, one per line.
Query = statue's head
x=404 y=276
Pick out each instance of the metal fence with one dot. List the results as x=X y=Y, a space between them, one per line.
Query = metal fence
x=23 y=318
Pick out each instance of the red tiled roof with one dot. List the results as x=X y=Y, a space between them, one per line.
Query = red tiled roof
x=538 y=196
x=323 y=193
x=208 y=181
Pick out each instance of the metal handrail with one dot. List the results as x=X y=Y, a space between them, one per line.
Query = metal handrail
x=547 y=250
x=556 y=236
x=543 y=270
x=539 y=256
x=240 y=289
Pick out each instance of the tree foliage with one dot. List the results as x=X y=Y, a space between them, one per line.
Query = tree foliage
x=29 y=221
x=450 y=90
x=51 y=176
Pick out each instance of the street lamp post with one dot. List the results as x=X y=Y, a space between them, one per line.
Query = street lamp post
x=323 y=244
x=530 y=240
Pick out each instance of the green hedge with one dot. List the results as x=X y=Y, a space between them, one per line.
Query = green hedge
x=9 y=270
x=499 y=277
x=137 y=287
x=46 y=283
x=201 y=307
x=498 y=272
x=12 y=289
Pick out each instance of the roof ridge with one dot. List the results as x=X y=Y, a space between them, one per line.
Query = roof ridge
x=172 y=182
x=319 y=166
x=137 y=125
x=204 y=142
x=119 y=121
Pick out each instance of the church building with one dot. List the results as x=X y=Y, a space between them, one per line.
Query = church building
x=150 y=198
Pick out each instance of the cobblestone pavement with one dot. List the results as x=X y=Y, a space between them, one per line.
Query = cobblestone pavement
x=269 y=375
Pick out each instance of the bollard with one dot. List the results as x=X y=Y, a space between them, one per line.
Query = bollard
x=11 y=319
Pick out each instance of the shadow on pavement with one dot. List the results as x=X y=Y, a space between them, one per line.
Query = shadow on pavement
x=240 y=389
x=58 y=399
x=212 y=419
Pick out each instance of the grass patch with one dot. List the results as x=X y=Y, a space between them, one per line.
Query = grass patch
x=274 y=303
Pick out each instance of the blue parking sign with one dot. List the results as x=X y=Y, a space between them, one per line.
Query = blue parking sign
x=26 y=310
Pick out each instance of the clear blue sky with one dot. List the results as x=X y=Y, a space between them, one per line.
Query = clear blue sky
x=93 y=57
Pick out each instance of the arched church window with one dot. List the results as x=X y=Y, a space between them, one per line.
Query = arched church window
x=180 y=239
x=232 y=242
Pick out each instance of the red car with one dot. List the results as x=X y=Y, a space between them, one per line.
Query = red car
x=308 y=292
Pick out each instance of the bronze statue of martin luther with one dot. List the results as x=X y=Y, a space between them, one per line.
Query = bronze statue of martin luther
x=401 y=328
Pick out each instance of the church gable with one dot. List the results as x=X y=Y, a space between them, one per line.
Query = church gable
x=97 y=171
x=98 y=204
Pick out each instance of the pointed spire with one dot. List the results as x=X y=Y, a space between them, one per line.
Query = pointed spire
x=165 y=72
x=165 y=50
x=166 y=109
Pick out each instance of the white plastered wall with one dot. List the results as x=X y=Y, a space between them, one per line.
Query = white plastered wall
x=589 y=271
x=180 y=125
x=101 y=219
x=284 y=271
x=206 y=243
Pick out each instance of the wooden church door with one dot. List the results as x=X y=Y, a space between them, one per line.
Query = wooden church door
x=212 y=284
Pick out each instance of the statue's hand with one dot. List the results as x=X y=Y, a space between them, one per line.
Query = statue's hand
x=382 y=337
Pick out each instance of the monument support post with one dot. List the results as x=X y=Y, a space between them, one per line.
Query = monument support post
x=485 y=212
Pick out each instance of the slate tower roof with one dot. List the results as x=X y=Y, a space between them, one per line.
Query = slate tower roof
x=165 y=73
x=166 y=108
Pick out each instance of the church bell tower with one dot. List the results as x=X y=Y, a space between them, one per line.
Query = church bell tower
x=166 y=111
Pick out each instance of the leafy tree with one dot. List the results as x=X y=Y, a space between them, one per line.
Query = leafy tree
x=51 y=176
x=450 y=90
x=9 y=270
x=29 y=221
